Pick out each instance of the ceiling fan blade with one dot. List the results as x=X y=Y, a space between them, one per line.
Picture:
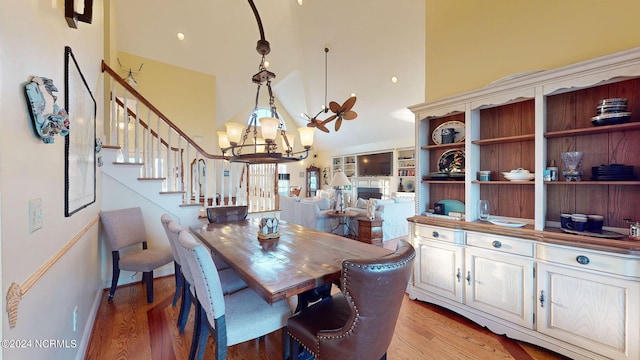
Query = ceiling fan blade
x=311 y=124
x=334 y=106
x=338 y=123
x=350 y=115
x=349 y=104
x=329 y=119
x=321 y=127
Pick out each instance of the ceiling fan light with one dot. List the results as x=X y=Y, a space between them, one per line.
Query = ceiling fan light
x=269 y=127
x=223 y=141
x=306 y=136
x=234 y=132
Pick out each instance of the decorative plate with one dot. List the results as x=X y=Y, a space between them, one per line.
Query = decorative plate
x=452 y=160
x=458 y=127
x=507 y=223
x=409 y=185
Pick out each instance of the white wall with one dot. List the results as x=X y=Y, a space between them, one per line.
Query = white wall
x=33 y=35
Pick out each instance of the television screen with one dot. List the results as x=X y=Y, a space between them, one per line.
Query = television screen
x=375 y=164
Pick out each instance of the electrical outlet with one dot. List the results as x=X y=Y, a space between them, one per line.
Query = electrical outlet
x=35 y=214
x=75 y=319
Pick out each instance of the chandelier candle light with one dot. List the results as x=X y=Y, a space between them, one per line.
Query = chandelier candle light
x=262 y=150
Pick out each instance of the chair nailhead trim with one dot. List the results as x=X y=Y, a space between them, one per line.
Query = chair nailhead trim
x=345 y=269
x=304 y=346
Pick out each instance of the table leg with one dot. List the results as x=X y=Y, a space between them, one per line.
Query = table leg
x=309 y=296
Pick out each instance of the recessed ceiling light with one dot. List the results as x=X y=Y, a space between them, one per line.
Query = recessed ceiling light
x=394 y=79
x=180 y=36
x=300 y=2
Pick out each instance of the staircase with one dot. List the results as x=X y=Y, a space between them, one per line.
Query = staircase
x=153 y=164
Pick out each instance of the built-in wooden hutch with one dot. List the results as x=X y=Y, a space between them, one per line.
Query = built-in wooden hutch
x=574 y=294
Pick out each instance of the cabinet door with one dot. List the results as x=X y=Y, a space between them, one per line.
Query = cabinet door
x=500 y=284
x=437 y=269
x=595 y=312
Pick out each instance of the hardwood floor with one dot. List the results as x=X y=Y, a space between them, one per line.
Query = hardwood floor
x=129 y=328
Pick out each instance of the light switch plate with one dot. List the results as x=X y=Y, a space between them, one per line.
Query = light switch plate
x=35 y=214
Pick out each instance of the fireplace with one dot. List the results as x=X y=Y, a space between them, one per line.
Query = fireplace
x=369 y=193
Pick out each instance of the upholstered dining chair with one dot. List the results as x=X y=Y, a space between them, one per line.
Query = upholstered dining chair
x=125 y=228
x=229 y=279
x=358 y=322
x=165 y=219
x=231 y=319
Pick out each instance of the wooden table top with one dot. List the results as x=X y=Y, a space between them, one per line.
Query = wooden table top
x=344 y=214
x=303 y=259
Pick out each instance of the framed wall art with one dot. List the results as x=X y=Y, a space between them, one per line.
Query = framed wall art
x=72 y=14
x=80 y=164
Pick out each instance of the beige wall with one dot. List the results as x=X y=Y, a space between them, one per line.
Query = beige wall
x=470 y=43
x=186 y=97
x=33 y=35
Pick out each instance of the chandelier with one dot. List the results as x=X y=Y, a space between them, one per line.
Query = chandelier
x=235 y=142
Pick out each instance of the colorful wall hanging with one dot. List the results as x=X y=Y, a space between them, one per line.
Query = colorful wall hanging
x=48 y=118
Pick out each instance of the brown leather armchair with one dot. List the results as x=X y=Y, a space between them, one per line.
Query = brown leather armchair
x=359 y=321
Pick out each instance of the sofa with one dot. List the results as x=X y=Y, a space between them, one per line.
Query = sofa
x=308 y=212
x=313 y=213
x=393 y=212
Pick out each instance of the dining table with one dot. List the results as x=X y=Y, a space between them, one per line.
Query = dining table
x=302 y=261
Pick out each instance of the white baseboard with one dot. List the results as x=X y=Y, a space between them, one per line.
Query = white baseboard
x=88 y=327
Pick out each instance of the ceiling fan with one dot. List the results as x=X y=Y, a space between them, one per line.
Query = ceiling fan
x=340 y=112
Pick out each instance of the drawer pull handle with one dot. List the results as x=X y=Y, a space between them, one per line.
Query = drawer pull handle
x=469 y=277
x=541 y=299
x=583 y=260
x=458 y=275
x=435 y=234
x=496 y=244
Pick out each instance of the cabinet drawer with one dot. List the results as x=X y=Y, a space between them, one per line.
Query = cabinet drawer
x=589 y=259
x=501 y=243
x=440 y=234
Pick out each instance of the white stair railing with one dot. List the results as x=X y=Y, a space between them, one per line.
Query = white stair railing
x=165 y=152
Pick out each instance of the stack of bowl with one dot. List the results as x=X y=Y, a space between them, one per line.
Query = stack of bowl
x=611 y=111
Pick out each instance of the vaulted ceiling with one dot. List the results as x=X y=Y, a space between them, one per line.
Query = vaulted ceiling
x=369 y=40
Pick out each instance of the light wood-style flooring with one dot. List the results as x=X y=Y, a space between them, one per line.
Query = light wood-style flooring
x=129 y=328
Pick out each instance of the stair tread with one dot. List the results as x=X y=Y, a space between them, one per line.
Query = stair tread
x=127 y=163
x=191 y=204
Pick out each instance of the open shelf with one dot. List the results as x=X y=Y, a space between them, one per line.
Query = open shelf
x=443 y=146
x=503 y=182
x=592 y=182
x=457 y=182
x=593 y=130
x=504 y=140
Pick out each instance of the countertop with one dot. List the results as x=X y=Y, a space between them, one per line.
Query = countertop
x=550 y=235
